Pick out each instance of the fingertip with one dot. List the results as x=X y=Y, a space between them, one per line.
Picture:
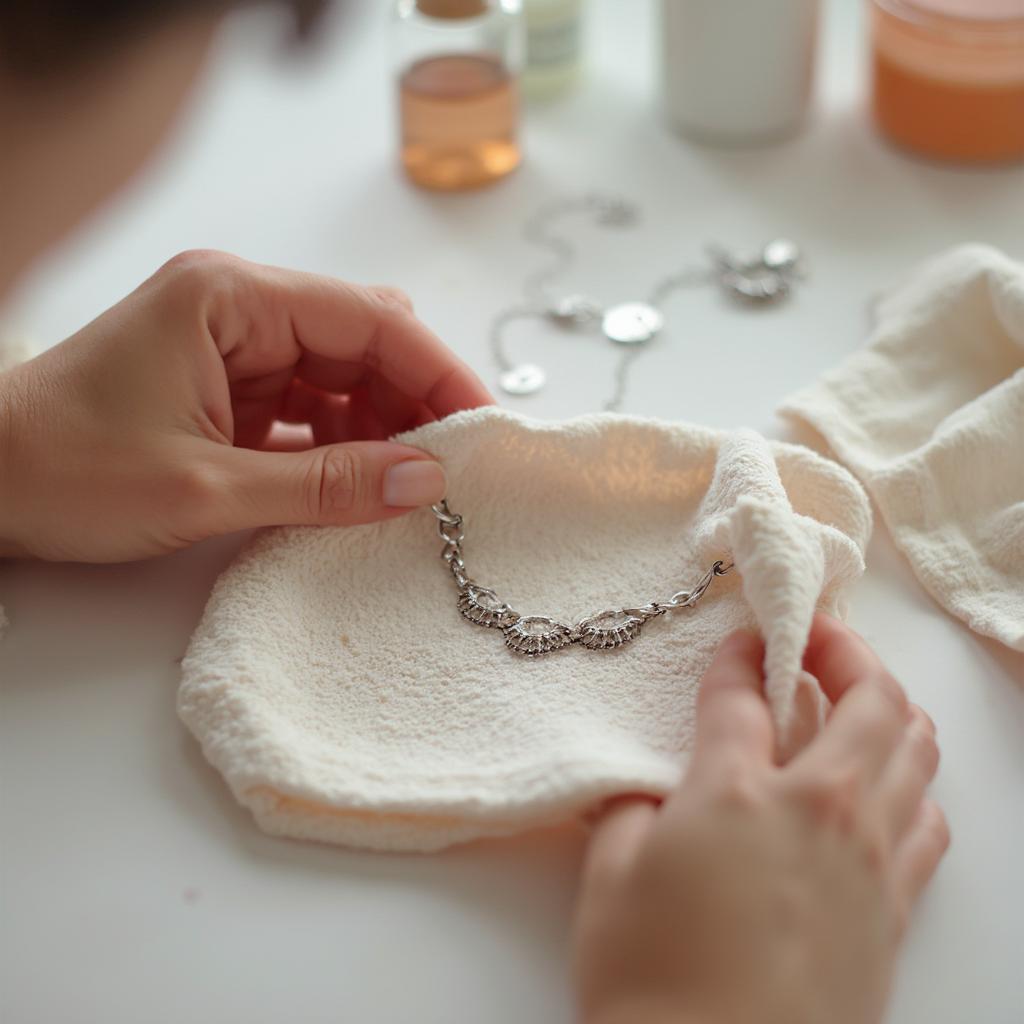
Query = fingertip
x=462 y=389
x=824 y=628
x=742 y=643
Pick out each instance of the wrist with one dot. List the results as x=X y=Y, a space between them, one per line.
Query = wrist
x=640 y=1011
x=10 y=546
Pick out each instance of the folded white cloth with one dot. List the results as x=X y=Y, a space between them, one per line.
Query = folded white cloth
x=335 y=685
x=930 y=417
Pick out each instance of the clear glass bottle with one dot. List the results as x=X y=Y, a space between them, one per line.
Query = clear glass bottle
x=458 y=81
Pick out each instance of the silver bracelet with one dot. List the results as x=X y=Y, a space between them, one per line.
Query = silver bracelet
x=757 y=278
x=534 y=635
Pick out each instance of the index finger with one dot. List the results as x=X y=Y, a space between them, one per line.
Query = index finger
x=273 y=318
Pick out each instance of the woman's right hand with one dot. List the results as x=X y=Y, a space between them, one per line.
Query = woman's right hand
x=759 y=891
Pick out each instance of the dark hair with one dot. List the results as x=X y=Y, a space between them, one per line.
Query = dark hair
x=41 y=37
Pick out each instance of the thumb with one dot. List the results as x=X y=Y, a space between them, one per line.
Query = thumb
x=620 y=830
x=334 y=485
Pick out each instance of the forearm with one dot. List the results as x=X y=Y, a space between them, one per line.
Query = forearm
x=643 y=1011
x=9 y=403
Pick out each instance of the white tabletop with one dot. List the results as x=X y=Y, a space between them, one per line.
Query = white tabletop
x=133 y=888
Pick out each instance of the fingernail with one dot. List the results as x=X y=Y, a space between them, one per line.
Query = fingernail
x=413 y=483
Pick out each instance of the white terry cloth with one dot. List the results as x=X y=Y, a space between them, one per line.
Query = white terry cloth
x=337 y=688
x=930 y=417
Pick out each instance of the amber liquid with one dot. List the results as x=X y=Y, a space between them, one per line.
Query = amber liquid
x=459 y=118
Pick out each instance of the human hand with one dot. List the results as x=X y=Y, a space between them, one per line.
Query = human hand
x=765 y=892
x=142 y=433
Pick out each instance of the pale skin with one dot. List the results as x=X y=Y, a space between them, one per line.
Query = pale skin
x=760 y=891
x=757 y=891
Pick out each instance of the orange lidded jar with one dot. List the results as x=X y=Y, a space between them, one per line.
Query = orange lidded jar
x=948 y=77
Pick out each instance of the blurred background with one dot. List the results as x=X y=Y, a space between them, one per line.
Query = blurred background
x=291 y=156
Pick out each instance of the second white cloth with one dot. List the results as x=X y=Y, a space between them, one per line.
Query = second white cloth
x=930 y=417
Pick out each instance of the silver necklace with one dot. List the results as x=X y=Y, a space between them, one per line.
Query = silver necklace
x=535 y=635
x=756 y=279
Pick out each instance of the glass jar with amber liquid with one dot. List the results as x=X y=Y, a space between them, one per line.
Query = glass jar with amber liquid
x=948 y=77
x=458 y=84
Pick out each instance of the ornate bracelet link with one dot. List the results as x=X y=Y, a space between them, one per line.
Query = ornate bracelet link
x=534 y=635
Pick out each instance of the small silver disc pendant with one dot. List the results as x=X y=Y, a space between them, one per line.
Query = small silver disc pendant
x=485 y=608
x=534 y=635
x=632 y=323
x=782 y=256
x=524 y=379
x=609 y=629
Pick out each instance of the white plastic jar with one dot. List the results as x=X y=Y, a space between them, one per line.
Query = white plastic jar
x=738 y=71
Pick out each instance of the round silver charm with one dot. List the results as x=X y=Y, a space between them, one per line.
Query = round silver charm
x=485 y=608
x=756 y=284
x=609 y=629
x=534 y=635
x=574 y=311
x=524 y=379
x=782 y=255
x=632 y=323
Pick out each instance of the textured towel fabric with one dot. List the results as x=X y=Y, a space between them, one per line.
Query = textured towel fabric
x=930 y=417
x=335 y=685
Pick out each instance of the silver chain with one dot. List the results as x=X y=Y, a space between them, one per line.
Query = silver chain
x=759 y=278
x=535 y=635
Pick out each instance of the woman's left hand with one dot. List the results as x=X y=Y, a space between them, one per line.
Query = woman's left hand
x=154 y=426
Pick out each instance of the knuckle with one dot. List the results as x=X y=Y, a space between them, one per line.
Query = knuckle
x=875 y=850
x=891 y=691
x=925 y=752
x=197 y=264
x=336 y=484
x=189 y=259
x=919 y=715
x=938 y=825
x=833 y=798
x=195 y=274
x=392 y=298
x=736 y=787
x=197 y=486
